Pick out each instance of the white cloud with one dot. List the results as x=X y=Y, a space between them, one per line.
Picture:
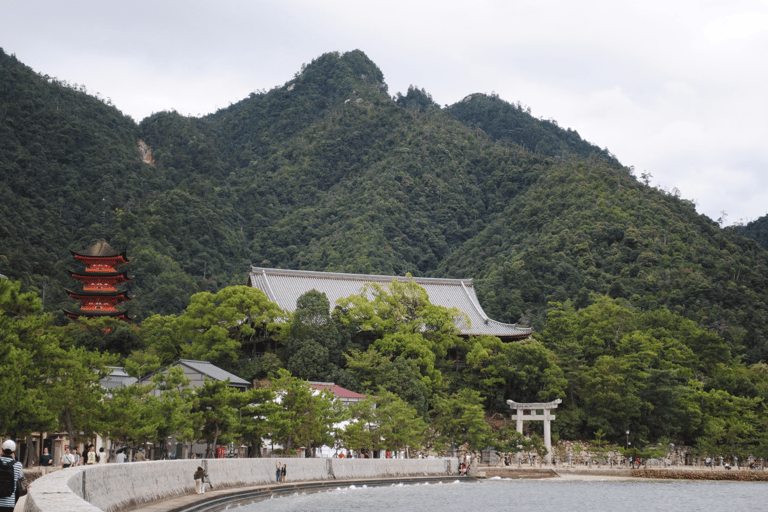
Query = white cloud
x=676 y=89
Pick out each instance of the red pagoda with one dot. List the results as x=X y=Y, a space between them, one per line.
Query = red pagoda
x=100 y=296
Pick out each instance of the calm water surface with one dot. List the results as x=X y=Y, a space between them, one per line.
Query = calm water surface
x=540 y=495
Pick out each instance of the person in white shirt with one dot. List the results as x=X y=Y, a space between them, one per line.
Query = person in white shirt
x=67 y=459
x=7 y=458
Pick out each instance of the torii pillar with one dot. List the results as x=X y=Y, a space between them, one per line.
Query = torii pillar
x=545 y=416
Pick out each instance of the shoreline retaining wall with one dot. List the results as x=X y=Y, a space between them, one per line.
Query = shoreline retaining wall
x=113 y=487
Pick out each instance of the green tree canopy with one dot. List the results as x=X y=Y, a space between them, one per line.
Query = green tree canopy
x=406 y=324
x=217 y=325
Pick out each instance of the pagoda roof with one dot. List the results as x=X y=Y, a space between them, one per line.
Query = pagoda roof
x=77 y=274
x=284 y=287
x=98 y=314
x=100 y=249
x=99 y=293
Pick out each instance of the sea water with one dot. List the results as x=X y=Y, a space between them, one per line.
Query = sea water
x=547 y=495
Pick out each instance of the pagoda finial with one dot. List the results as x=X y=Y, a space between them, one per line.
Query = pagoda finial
x=103 y=217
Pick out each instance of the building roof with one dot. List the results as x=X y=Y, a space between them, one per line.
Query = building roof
x=117 y=379
x=92 y=275
x=99 y=313
x=338 y=391
x=98 y=293
x=100 y=249
x=284 y=287
x=212 y=371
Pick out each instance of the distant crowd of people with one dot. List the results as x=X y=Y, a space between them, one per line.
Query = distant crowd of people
x=72 y=457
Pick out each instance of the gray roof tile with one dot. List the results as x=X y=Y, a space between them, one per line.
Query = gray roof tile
x=212 y=371
x=117 y=379
x=284 y=287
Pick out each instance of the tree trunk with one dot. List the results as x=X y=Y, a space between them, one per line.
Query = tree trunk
x=70 y=431
x=215 y=442
x=29 y=458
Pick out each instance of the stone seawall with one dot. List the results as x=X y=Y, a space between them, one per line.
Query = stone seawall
x=113 y=487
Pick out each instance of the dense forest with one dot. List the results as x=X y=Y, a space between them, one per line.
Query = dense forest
x=330 y=172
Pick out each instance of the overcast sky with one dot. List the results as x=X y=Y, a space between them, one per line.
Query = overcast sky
x=674 y=88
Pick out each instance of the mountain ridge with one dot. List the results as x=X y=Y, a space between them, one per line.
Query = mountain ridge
x=328 y=172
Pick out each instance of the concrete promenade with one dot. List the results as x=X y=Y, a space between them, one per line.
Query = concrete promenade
x=143 y=485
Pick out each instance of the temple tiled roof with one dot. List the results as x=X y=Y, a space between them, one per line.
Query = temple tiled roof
x=284 y=287
x=212 y=371
x=118 y=378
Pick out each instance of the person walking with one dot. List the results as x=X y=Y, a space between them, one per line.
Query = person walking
x=10 y=473
x=102 y=456
x=199 y=477
x=91 y=456
x=46 y=461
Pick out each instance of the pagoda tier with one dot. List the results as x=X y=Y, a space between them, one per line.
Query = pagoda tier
x=117 y=315
x=100 y=300
x=100 y=257
x=100 y=296
x=107 y=281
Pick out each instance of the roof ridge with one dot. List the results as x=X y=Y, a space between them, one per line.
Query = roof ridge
x=358 y=277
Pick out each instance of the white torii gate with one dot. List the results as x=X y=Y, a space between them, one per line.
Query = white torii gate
x=520 y=416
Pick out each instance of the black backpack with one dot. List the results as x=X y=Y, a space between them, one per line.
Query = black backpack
x=7 y=478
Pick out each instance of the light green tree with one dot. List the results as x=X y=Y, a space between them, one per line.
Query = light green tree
x=130 y=418
x=384 y=422
x=162 y=339
x=217 y=408
x=171 y=409
x=256 y=408
x=406 y=324
x=28 y=349
x=76 y=394
x=399 y=375
x=215 y=326
x=305 y=417
x=459 y=420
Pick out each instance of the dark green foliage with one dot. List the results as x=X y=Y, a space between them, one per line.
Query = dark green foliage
x=757 y=230
x=329 y=173
x=514 y=123
x=316 y=344
x=588 y=227
x=416 y=99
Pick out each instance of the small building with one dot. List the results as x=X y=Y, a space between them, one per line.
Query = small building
x=345 y=396
x=198 y=371
x=117 y=379
x=284 y=287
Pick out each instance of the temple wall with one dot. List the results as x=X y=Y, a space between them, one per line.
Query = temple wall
x=114 y=487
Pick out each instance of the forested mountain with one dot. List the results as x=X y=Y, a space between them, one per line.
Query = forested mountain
x=757 y=230
x=329 y=172
x=514 y=123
